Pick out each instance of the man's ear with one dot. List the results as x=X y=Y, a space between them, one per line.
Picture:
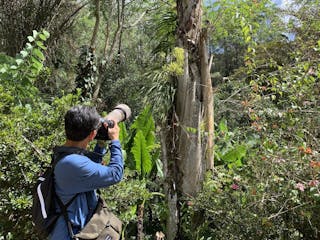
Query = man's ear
x=92 y=135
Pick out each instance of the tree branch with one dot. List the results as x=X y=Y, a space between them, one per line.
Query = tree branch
x=137 y=21
x=96 y=25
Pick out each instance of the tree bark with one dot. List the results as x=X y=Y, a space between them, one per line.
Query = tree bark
x=169 y=185
x=96 y=25
x=208 y=105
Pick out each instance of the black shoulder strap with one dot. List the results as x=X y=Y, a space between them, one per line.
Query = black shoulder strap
x=63 y=208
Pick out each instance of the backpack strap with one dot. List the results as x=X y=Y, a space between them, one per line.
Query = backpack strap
x=63 y=208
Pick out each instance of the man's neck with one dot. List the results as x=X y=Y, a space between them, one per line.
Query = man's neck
x=78 y=144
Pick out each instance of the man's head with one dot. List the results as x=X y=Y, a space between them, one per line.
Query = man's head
x=80 y=121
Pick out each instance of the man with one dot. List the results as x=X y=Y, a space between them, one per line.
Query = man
x=79 y=174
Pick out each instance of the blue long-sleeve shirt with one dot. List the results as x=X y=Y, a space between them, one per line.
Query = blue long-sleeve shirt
x=78 y=174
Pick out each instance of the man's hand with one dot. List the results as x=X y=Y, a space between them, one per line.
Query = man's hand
x=113 y=132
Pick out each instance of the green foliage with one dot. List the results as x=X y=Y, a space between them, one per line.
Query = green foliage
x=141 y=155
x=266 y=182
x=237 y=27
x=272 y=112
x=270 y=198
x=87 y=73
x=145 y=123
x=30 y=127
x=161 y=91
x=229 y=151
x=141 y=183
x=176 y=67
x=165 y=23
x=125 y=198
x=19 y=74
x=142 y=144
x=123 y=137
x=160 y=94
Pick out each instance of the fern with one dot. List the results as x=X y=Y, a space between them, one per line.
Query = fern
x=141 y=154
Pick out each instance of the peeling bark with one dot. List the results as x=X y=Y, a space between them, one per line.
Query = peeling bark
x=189 y=99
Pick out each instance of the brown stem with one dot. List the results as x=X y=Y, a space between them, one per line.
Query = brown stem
x=140 y=212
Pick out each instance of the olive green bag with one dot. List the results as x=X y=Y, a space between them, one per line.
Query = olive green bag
x=103 y=225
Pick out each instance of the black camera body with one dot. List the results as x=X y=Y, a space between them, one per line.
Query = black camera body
x=102 y=133
x=120 y=113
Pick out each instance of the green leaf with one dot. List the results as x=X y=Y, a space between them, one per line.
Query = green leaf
x=123 y=132
x=19 y=61
x=145 y=123
x=30 y=39
x=38 y=54
x=141 y=154
x=159 y=168
x=34 y=34
x=191 y=130
x=13 y=67
x=46 y=33
x=40 y=45
x=235 y=155
x=42 y=37
x=223 y=126
x=3 y=70
x=24 y=53
x=29 y=46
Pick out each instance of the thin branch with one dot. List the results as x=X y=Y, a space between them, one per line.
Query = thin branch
x=136 y=22
x=290 y=209
x=72 y=15
x=210 y=62
x=37 y=150
x=235 y=93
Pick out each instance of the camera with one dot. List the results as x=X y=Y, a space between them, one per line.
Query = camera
x=120 y=113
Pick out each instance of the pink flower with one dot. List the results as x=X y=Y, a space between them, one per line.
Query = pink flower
x=235 y=186
x=313 y=183
x=300 y=186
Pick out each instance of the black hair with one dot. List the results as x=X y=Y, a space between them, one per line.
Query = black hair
x=80 y=121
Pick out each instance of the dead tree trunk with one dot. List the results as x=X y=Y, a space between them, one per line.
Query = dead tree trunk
x=208 y=105
x=189 y=99
x=189 y=151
